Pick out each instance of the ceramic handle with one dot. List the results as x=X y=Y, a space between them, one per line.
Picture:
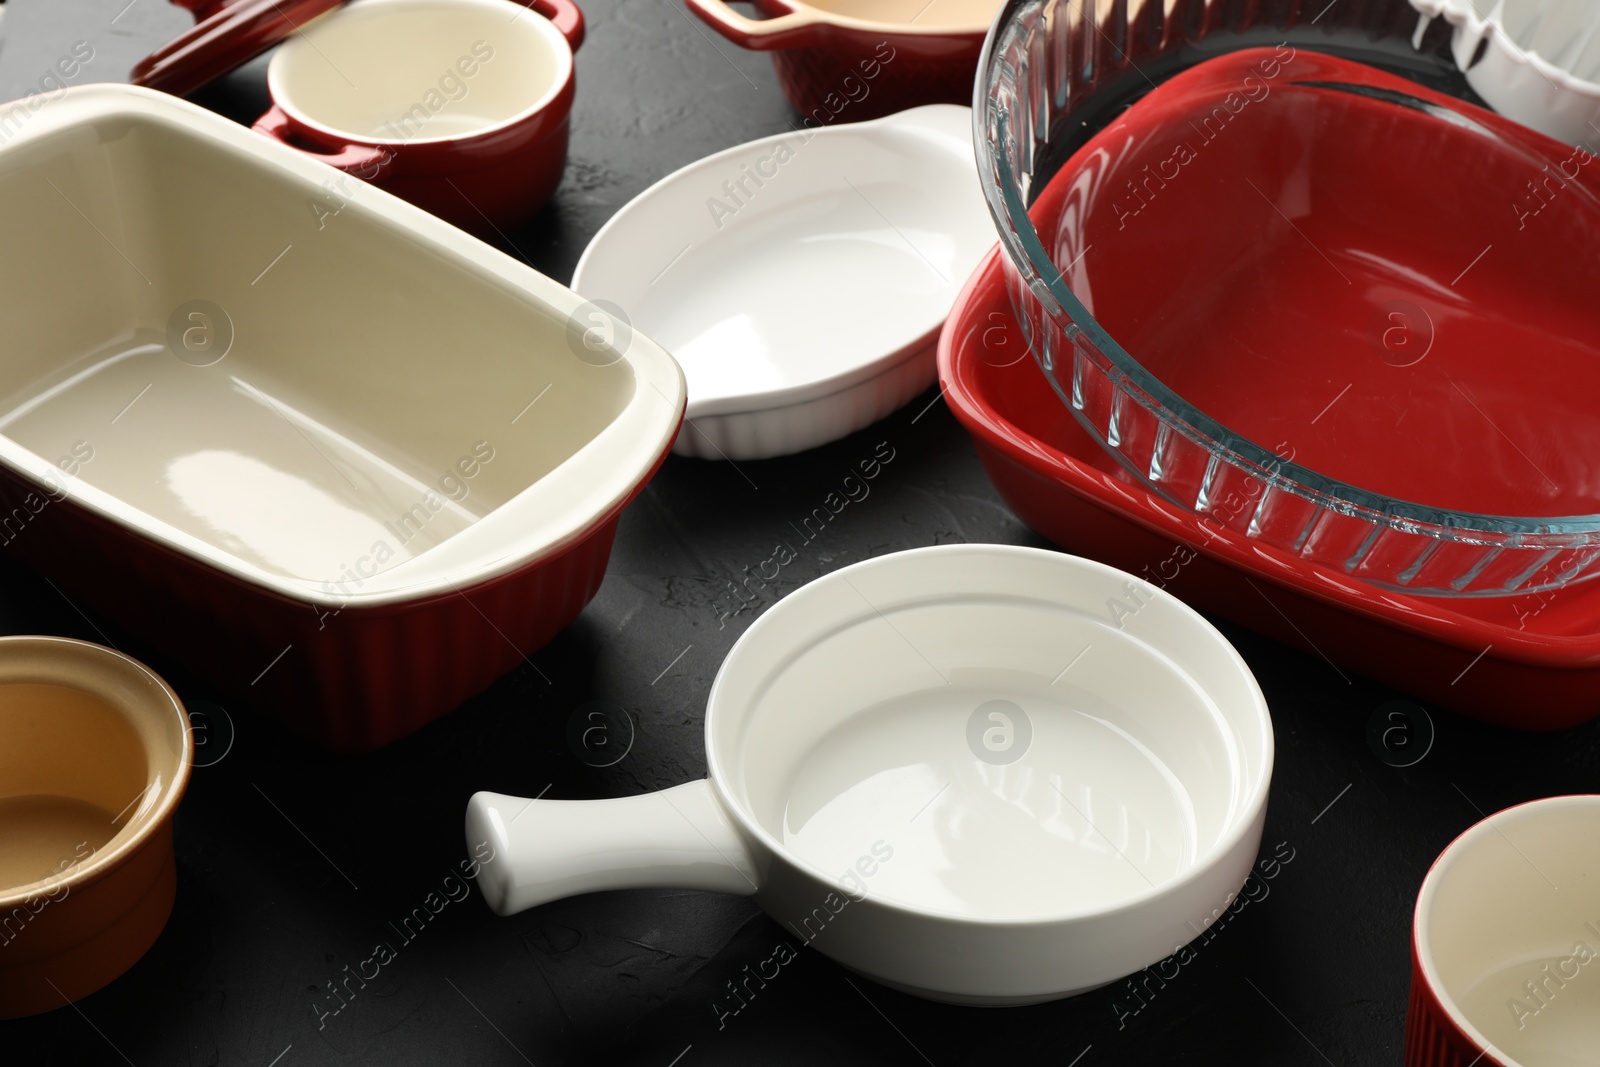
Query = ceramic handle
x=363 y=161
x=797 y=29
x=679 y=838
x=564 y=15
x=951 y=120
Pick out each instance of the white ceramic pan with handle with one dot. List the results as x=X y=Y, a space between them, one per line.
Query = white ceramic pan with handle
x=975 y=773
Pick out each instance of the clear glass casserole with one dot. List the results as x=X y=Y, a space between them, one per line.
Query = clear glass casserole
x=1054 y=74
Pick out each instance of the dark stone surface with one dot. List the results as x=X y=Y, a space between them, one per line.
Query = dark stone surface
x=293 y=862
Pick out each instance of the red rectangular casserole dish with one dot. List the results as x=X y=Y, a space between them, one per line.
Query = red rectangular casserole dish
x=1529 y=662
x=329 y=453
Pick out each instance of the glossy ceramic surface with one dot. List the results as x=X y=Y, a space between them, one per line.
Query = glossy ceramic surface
x=449 y=104
x=1507 y=933
x=94 y=757
x=849 y=60
x=268 y=395
x=799 y=280
x=1204 y=280
x=1534 y=61
x=1064 y=485
x=958 y=770
x=204 y=9
x=226 y=34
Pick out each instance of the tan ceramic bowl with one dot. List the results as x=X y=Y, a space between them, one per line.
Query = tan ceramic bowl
x=94 y=755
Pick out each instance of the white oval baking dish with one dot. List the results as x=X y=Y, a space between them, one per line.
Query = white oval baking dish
x=801 y=279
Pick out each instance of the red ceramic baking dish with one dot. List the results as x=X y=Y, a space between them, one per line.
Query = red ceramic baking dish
x=1529 y=662
x=348 y=464
x=849 y=60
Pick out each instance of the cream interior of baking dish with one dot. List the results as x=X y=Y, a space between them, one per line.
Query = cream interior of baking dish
x=925 y=15
x=303 y=378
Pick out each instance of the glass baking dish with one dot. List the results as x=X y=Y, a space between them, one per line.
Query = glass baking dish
x=1453 y=460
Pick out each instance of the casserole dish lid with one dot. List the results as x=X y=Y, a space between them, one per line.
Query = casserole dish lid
x=230 y=38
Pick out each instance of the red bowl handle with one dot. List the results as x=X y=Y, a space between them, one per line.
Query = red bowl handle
x=797 y=29
x=564 y=15
x=359 y=159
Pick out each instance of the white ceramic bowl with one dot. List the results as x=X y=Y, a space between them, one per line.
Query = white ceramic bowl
x=800 y=280
x=1534 y=61
x=975 y=773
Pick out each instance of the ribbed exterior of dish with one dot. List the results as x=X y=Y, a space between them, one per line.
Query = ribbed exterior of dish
x=1426 y=668
x=495 y=196
x=786 y=430
x=1051 y=56
x=352 y=679
x=1432 y=1040
x=823 y=83
x=1514 y=79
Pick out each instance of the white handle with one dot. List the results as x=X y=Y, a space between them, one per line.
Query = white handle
x=952 y=120
x=543 y=850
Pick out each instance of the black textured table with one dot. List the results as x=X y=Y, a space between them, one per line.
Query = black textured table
x=294 y=863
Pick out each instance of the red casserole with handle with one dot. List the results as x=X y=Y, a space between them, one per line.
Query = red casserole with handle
x=839 y=61
x=449 y=104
